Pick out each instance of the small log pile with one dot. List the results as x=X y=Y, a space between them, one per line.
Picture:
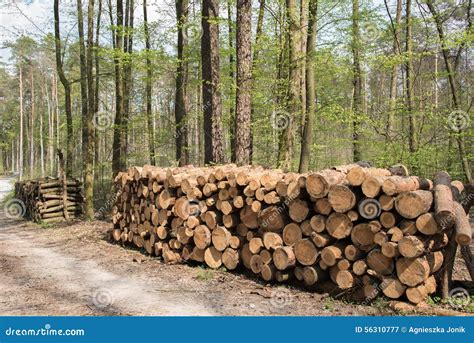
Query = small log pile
x=364 y=229
x=50 y=200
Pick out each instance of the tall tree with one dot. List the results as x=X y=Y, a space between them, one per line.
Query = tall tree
x=286 y=146
x=394 y=72
x=211 y=96
x=244 y=82
x=230 y=24
x=310 y=86
x=181 y=101
x=256 y=53
x=452 y=81
x=20 y=139
x=32 y=120
x=409 y=77
x=148 y=88
x=97 y=84
x=67 y=90
x=357 y=100
x=117 y=31
x=127 y=77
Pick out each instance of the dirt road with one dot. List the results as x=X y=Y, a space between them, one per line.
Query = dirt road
x=75 y=270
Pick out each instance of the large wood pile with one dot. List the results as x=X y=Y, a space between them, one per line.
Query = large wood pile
x=362 y=228
x=47 y=200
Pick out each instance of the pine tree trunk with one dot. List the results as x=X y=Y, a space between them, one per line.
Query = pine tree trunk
x=409 y=78
x=181 y=102
x=244 y=82
x=357 y=81
x=286 y=122
x=117 y=158
x=232 y=118
x=148 y=88
x=310 y=88
x=212 y=106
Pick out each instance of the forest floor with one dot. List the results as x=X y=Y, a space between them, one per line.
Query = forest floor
x=75 y=270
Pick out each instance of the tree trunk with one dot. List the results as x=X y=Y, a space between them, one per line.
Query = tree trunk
x=310 y=88
x=148 y=90
x=117 y=158
x=286 y=146
x=357 y=81
x=232 y=118
x=20 y=140
x=32 y=125
x=96 y=89
x=394 y=72
x=244 y=82
x=181 y=101
x=452 y=85
x=258 y=34
x=409 y=78
x=212 y=107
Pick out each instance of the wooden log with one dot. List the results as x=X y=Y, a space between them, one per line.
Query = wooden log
x=284 y=257
x=298 y=210
x=392 y=287
x=359 y=267
x=291 y=234
x=321 y=240
x=318 y=184
x=397 y=184
x=412 y=246
x=362 y=235
x=318 y=222
x=266 y=256
x=256 y=264
x=443 y=204
x=213 y=257
x=255 y=245
x=272 y=240
x=372 y=186
x=341 y=198
x=413 y=204
x=390 y=249
x=357 y=175
x=268 y=272
x=272 y=219
x=246 y=255
x=331 y=254
x=305 y=252
x=202 y=237
x=322 y=206
x=386 y=202
x=221 y=238
x=379 y=262
x=338 y=225
x=352 y=253
x=412 y=271
x=463 y=231
x=250 y=219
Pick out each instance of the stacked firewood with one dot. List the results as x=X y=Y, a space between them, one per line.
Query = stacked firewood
x=371 y=229
x=50 y=200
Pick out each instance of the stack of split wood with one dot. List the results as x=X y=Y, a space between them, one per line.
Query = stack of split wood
x=366 y=229
x=50 y=199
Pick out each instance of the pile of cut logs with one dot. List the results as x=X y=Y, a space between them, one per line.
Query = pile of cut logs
x=367 y=229
x=50 y=200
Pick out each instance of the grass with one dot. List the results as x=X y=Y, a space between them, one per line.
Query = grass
x=204 y=274
x=329 y=304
